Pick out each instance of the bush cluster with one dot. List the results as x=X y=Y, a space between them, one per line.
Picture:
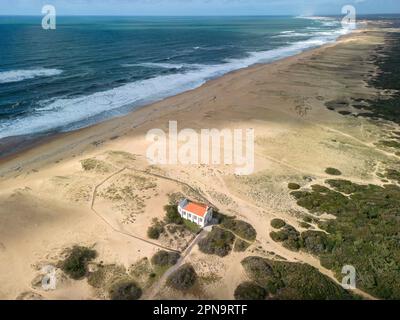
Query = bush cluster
x=364 y=234
x=250 y=291
x=155 y=230
x=218 y=242
x=292 y=281
x=289 y=237
x=183 y=279
x=294 y=186
x=277 y=223
x=165 y=258
x=125 y=290
x=333 y=171
x=75 y=264
x=240 y=228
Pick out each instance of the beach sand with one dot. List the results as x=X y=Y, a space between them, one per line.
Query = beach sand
x=47 y=198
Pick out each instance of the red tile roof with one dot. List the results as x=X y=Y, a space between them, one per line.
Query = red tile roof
x=196 y=208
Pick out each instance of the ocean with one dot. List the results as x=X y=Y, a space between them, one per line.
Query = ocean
x=93 y=68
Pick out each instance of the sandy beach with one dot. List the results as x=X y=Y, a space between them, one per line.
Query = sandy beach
x=49 y=202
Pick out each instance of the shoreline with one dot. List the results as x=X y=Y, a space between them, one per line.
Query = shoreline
x=23 y=146
x=295 y=107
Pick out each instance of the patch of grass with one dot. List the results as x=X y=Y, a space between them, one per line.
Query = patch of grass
x=218 y=242
x=292 y=281
x=333 y=171
x=277 y=223
x=75 y=264
x=104 y=274
x=93 y=164
x=250 y=291
x=294 y=186
x=182 y=279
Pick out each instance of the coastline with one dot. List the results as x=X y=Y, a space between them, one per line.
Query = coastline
x=22 y=145
x=50 y=202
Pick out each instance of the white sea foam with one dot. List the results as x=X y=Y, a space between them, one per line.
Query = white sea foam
x=62 y=112
x=21 y=75
x=163 y=65
x=292 y=35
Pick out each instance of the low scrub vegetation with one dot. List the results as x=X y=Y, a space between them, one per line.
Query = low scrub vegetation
x=289 y=237
x=76 y=262
x=364 y=234
x=165 y=258
x=393 y=175
x=240 y=228
x=218 y=242
x=277 y=223
x=294 y=186
x=93 y=164
x=125 y=290
x=155 y=230
x=291 y=281
x=182 y=279
x=172 y=215
x=250 y=291
x=333 y=171
x=240 y=245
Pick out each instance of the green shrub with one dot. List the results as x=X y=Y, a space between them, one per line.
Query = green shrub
x=172 y=215
x=390 y=144
x=250 y=291
x=364 y=234
x=155 y=230
x=316 y=242
x=277 y=223
x=393 y=175
x=240 y=245
x=289 y=237
x=75 y=265
x=218 y=242
x=305 y=225
x=333 y=171
x=240 y=228
x=182 y=279
x=292 y=281
x=125 y=290
x=294 y=186
x=165 y=258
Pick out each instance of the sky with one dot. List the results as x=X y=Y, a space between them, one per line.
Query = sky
x=197 y=7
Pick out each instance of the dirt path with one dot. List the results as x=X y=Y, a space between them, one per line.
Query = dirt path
x=94 y=194
x=157 y=286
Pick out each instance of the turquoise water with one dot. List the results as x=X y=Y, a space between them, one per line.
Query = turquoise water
x=93 y=68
